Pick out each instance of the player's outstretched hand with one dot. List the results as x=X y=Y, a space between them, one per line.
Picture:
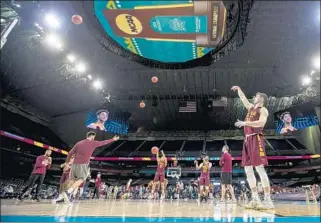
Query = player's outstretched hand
x=116 y=138
x=235 y=88
x=239 y=124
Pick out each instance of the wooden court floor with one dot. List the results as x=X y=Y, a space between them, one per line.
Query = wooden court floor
x=145 y=210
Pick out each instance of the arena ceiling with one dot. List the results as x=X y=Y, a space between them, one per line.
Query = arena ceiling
x=282 y=38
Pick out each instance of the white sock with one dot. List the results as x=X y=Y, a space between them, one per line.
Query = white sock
x=70 y=190
x=267 y=196
x=255 y=195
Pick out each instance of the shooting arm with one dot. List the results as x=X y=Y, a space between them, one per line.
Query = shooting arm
x=157 y=157
x=262 y=120
x=244 y=100
x=198 y=167
x=164 y=157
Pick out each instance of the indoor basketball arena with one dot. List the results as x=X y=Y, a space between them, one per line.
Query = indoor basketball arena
x=160 y=111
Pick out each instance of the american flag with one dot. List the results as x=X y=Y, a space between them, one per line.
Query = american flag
x=187 y=106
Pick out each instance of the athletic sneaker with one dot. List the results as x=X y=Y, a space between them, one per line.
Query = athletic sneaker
x=253 y=204
x=266 y=205
x=59 y=199
x=66 y=197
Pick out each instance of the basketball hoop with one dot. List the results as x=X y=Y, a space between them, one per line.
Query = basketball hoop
x=174 y=172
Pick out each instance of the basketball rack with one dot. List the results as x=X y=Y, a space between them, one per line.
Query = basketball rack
x=174 y=172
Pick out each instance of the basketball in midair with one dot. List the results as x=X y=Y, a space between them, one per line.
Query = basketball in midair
x=76 y=19
x=154 y=79
x=154 y=150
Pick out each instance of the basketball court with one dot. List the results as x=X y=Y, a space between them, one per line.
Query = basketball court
x=154 y=211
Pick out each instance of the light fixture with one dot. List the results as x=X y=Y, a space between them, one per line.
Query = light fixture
x=89 y=77
x=71 y=58
x=17 y=5
x=316 y=63
x=312 y=72
x=38 y=26
x=80 y=67
x=52 y=20
x=3 y=20
x=53 y=41
x=306 y=80
x=97 y=84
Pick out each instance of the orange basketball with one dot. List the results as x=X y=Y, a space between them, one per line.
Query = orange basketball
x=142 y=104
x=154 y=79
x=154 y=150
x=76 y=19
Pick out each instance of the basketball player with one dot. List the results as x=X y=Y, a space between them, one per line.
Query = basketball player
x=43 y=163
x=226 y=174
x=160 y=173
x=127 y=189
x=253 y=154
x=82 y=152
x=204 y=181
x=64 y=179
x=97 y=186
x=102 y=117
x=197 y=186
x=178 y=188
x=287 y=120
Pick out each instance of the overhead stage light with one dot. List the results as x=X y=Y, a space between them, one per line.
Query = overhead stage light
x=54 y=41
x=52 y=20
x=97 y=84
x=71 y=58
x=316 y=62
x=306 y=80
x=80 y=67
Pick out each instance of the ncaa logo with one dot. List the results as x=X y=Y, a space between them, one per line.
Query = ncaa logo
x=129 y=24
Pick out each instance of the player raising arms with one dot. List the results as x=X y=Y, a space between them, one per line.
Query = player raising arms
x=204 y=181
x=127 y=189
x=160 y=173
x=253 y=154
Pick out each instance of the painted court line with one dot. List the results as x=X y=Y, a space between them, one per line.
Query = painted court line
x=21 y=218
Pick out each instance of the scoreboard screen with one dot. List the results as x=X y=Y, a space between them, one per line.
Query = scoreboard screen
x=165 y=31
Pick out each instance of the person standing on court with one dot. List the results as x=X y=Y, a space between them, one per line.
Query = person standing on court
x=226 y=173
x=43 y=163
x=82 y=152
x=97 y=186
x=253 y=153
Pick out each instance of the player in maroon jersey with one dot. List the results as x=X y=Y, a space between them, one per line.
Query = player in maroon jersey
x=64 y=179
x=127 y=189
x=204 y=181
x=253 y=154
x=160 y=173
